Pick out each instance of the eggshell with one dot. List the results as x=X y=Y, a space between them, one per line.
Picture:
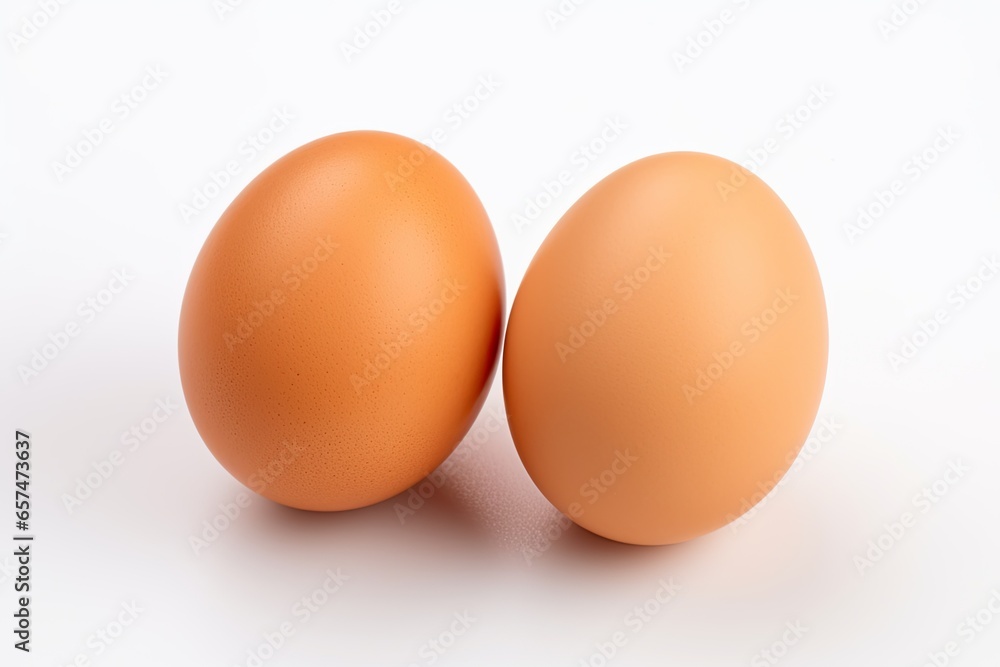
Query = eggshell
x=341 y=324
x=666 y=350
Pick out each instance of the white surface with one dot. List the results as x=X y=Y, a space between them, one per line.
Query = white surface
x=464 y=551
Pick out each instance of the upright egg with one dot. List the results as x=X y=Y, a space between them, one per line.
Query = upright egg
x=666 y=351
x=341 y=324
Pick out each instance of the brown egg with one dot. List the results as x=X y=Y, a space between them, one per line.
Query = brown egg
x=666 y=351
x=341 y=325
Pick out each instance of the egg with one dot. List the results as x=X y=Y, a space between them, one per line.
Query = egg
x=666 y=350
x=342 y=321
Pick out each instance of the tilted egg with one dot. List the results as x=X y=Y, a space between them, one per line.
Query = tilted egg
x=341 y=325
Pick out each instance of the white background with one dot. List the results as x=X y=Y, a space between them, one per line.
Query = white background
x=479 y=545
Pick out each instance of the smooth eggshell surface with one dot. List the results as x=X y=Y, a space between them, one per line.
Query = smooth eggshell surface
x=666 y=351
x=341 y=324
